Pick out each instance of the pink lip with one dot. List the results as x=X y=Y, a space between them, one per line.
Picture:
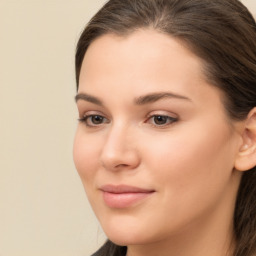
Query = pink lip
x=123 y=196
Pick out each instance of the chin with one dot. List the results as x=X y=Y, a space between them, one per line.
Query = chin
x=126 y=239
x=123 y=234
x=126 y=235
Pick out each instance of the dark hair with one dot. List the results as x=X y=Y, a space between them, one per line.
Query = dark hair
x=223 y=34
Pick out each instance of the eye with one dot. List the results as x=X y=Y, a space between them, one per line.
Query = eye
x=93 y=120
x=161 y=120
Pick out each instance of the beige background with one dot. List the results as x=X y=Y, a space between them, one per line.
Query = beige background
x=43 y=208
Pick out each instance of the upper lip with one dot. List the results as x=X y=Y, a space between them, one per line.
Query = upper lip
x=120 y=189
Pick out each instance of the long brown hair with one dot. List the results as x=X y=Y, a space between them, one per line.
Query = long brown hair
x=223 y=34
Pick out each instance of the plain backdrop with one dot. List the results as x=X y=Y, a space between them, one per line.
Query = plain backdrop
x=43 y=207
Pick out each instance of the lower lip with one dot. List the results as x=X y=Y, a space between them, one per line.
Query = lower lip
x=124 y=200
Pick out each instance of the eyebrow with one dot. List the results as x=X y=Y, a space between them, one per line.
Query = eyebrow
x=142 y=100
x=89 y=98
x=153 y=97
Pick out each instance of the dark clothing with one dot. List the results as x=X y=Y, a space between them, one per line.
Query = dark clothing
x=110 y=249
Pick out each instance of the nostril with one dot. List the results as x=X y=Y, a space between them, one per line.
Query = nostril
x=109 y=165
x=120 y=162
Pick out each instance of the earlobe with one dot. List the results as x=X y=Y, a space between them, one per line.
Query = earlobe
x=246 y=158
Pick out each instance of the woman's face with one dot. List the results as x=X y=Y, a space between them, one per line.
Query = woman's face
x=154 y=147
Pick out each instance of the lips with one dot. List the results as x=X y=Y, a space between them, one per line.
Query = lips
x=123 y=196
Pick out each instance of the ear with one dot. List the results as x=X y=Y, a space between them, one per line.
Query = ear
x=246 y=158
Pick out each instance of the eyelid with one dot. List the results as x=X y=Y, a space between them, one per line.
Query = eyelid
x=90 y=113
x=162 y=113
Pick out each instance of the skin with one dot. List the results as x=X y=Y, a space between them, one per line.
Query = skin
x=188 y=161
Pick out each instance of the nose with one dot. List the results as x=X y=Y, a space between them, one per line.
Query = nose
x=119 y=151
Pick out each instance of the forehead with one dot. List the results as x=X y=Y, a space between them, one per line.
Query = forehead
x=143 y=55
x=120 y=69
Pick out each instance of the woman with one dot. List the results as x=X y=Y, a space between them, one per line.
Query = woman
x=166 y=143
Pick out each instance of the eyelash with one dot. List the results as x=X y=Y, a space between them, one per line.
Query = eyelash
x=87 y=120
x=91 y=124
x=170 y=120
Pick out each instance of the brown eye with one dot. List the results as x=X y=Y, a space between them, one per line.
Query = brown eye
x=93 y=120
x=161 y=120
x=96 y=119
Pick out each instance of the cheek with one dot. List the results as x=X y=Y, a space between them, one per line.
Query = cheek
x=191 y=163
x=85 y=156
x=192 y=173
